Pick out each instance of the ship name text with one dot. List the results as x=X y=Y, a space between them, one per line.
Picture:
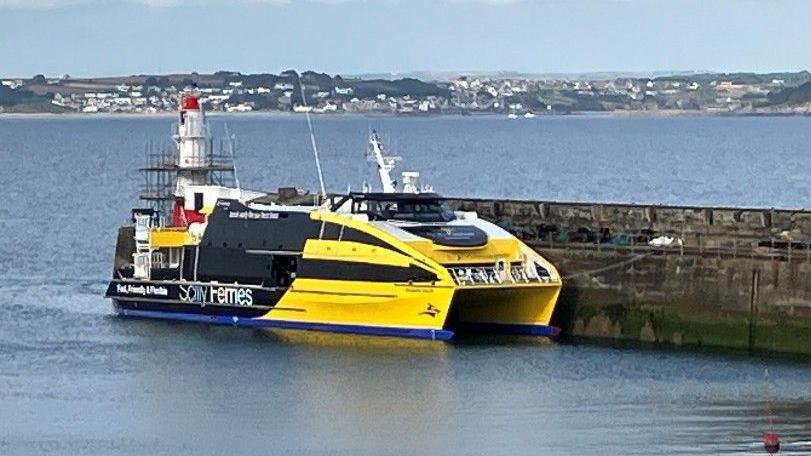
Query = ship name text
x=217 y=295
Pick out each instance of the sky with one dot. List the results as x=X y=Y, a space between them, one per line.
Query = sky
x=121 y=37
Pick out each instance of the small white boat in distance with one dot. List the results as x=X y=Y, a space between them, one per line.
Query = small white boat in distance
x=529 y=115
x=512 y=115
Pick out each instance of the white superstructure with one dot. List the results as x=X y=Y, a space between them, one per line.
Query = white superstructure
x=385 y=164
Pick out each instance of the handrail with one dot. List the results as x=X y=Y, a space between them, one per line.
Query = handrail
x=753 y=252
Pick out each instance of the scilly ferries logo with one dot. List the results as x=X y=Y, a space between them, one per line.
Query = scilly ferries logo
x=229 y=296
x=431 y=310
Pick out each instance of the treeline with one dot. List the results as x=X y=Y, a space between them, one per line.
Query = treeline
x=311 y=80
x=792 y=95
x=789 y=79
x=20 y=100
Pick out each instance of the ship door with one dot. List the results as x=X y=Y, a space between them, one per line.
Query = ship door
x=198 y=202
x=143 y=223
x=142 y=265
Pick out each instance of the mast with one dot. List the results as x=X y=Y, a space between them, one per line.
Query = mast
x=312 y=140
x=384 y=164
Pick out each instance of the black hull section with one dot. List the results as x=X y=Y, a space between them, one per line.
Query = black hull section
x=159 y=306
x=197 y=298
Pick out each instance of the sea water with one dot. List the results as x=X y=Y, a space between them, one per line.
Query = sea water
x=74 y=379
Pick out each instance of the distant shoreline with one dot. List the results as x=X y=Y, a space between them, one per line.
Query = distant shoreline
x=215 y=114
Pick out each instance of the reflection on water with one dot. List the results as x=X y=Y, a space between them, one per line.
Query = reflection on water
x=352 y=343
x=76 y=380
x=744 y=423
x=108 y=385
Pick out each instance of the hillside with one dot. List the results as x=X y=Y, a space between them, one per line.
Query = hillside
x=792 y=96
x=24 y=101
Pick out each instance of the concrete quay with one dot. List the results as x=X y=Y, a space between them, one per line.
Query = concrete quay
x=738 y=278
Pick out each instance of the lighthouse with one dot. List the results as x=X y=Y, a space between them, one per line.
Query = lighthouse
x=191 y=138
x=185 y=179
x=193 y=167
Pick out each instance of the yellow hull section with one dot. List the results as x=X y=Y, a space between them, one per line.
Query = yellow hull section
x=519 y=305
x=375 y=304
x=419 y=307
x=437 y=305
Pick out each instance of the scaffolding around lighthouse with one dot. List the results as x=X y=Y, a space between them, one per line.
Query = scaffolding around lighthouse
x=193 y=160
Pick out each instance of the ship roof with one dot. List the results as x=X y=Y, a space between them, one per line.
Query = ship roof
x=399 y=196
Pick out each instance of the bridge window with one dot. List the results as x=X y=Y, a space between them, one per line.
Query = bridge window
x=413 y=211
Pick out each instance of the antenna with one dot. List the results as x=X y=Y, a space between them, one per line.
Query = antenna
x=312 y=139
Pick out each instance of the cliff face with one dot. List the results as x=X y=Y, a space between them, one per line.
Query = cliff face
x=732 y=278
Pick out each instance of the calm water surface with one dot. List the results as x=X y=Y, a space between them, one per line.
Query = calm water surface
x=76 y=380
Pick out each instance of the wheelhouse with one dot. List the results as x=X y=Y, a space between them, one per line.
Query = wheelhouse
x=403 y=207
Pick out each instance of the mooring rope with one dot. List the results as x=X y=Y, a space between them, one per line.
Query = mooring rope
x=609 y=267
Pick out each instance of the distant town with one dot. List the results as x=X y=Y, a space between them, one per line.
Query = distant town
x=513 y=95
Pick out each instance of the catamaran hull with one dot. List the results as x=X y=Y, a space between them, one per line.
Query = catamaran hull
x=506 y=310
x=260 y=323
x=395 y=310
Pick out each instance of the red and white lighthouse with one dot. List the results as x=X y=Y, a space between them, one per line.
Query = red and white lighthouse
x=192 y=139
x=184 y=184
x=191 y=136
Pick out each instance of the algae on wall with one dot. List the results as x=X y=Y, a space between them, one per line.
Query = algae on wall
x=684 y=303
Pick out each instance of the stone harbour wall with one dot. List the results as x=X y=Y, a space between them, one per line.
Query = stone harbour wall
x=736 y=278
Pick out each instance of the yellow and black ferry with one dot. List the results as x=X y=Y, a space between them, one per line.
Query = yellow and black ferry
x=398 y=264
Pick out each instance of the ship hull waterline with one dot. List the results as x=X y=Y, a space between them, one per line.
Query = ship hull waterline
x=407 y=311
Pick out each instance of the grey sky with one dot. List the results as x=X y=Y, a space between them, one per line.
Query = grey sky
x=113 y=37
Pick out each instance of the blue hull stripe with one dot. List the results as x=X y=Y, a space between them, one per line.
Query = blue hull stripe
x=495 y=328
x=417 y=333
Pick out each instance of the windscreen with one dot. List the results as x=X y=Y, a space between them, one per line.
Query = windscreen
x=411 y=210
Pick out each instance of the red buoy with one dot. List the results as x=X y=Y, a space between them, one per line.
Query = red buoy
x=771 y=441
